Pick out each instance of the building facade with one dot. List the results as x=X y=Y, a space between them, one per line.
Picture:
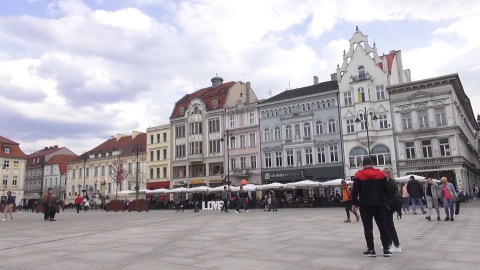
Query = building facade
x=13 y=161
x=241 y=138
x=158 y=159
x=436 y=132
x=95 y=171
x=55 y=174
x=365 y=110
x=300 y=134
x=35 y=179
x=197 y=130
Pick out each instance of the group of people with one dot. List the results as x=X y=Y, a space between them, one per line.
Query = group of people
x=82 y=203
x=50 y=202
x=372 y=187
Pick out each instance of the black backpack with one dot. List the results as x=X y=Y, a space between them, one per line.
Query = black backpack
x=394 y=202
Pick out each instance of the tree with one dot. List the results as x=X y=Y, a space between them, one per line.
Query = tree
x=118 y=173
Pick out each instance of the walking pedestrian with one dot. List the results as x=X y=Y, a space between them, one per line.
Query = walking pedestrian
x=369 y=191
x=8 y=206
x=241 y=200
x=78 y=203
x=347 y=200
x=432 y=193
x=449 y=196
x=415 y=190
x=225 y=197
x=196 y=198
x=46 y=199
x=392 y=188
x=52 y=206
x=86 y=204
x=406 y=199
x=274 y=205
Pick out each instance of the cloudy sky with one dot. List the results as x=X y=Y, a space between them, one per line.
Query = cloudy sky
x=75 y=72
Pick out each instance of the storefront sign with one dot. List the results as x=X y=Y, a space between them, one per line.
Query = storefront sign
x=196 y=182
x=215 y=181
x=279 y=175
x=212 y=205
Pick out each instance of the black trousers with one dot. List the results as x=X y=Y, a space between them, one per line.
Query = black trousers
x=46 y=213
x=348 y=209
x=225 y=205
x=368 y=213
x=392 y=232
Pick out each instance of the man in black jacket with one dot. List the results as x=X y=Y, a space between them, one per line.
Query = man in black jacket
x=415 y=190
x=369 y=190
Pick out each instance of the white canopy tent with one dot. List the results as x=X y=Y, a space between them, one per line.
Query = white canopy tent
x=199 y=189
x=248 y=187
x=303 y=184
x=336 y=182
x=157 y=191
x=274 y=185
x=177 y=190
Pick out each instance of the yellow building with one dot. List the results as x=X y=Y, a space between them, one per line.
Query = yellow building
x=13 y=161
x=158 y=157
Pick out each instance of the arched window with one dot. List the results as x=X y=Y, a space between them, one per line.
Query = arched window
x=332 y=127
x=380 y=155
x=277 y=134
x=356 y=156
x=284 y=110
x=196 y=110
x=318 y=105
x=304 y=108
x=319 y=127
x=361 y=72
x=266 y=135
x=308 y=106
x=289 y=110
x=288 y=132
x=329 y=104
x=306 y=129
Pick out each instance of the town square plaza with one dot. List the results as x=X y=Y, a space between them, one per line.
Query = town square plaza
x=314 y=238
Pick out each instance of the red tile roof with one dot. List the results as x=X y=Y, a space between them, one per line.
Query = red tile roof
x=15 y=151
x=37 y=158
x=61 y=160
x=389 y=57
x=207 y=95
x=126 y=144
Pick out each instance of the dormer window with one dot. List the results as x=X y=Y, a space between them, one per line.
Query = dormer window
x=361 y=72
x=7 y=150
x=215 y=104
x=182 y=111
x=196 y=110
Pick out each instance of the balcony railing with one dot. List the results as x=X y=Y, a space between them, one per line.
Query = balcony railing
x=430 y=161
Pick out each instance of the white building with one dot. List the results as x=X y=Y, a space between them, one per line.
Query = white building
x=435 y=130
x=362 y=80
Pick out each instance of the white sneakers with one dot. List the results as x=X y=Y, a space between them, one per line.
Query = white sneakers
x=395 y=249
x=5 y=219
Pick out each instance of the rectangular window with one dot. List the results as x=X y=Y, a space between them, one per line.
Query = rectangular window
x=151 y=155
x=243 y=142
x=15 y=180
x=158 y=173
x=180 y=151
x=158 y=154
x=179 y=171
x=214 y=146
x=214 y=125
x=6 y=164
x=164 y=136
x=278 y=159
x=102 y=171
x=215 y=168
x=87 y=172
x=308 y=156
x=5 y=180
x=410 y=150
x=164 y=172
x=16 y=164
x=321 y=156
x=406 y=120
x=251 y=118
x=289 y=157
x=444 y=147
x=164 y=154
x=333 y=153
x=95 y=172
x=253 y=162
x=232 y=121
x=252 y=139
x=197 y=170
x=233 y=161
x=440 y=116
x=179 y=131
x=232 y=143
x=151 y=173
x=350 y=126
x=151 y=139
x=380 y=92
x=382 y=120
x=196 y=148
x=348 y=98
x=243 y=163
x=74 y=174
x=268 y=160
x=422 y=118
x=195 y=127
x=427 y=149
x=158 y=137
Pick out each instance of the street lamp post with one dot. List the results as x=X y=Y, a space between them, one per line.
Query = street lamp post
x=228 y=140
x=138 y=148
x=84 y=157
x=363 y=115
x=43 y=176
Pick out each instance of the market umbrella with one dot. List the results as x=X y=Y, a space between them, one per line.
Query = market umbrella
x=177 y=190
x=248 y=187
x=274 y=185
x=126 y=192
x=157 y=191
x=303 y=184
x=406 y=178
x=199 y=189
x=336 y=182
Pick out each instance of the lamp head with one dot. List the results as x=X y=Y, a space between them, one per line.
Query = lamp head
x=375 y=118
x=358 y=120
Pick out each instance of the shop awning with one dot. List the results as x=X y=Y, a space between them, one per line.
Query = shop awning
x=154 y=185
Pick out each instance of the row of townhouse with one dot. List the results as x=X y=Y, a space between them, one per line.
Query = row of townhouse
x=223 y=134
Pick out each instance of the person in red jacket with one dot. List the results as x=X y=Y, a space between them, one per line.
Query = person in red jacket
x=78 y=203
x=369 y=190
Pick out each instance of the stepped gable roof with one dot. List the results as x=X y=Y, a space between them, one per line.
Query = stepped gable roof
x=304 y=91
x=37 y=158
x=389 y=58
x=61 y=160
x=207 y=94
x=126 y=145
x=15 y=150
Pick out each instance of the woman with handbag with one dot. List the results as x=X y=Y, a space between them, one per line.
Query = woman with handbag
x=392 y=232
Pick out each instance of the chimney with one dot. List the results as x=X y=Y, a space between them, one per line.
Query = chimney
x=46 y=148
x=135 y=133
x=315 y=80
x=333 y=77
x=119 y=136
x=55 y=147
x=216 y=81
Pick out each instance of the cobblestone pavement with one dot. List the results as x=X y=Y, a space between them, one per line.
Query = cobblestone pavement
x=288 y=239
